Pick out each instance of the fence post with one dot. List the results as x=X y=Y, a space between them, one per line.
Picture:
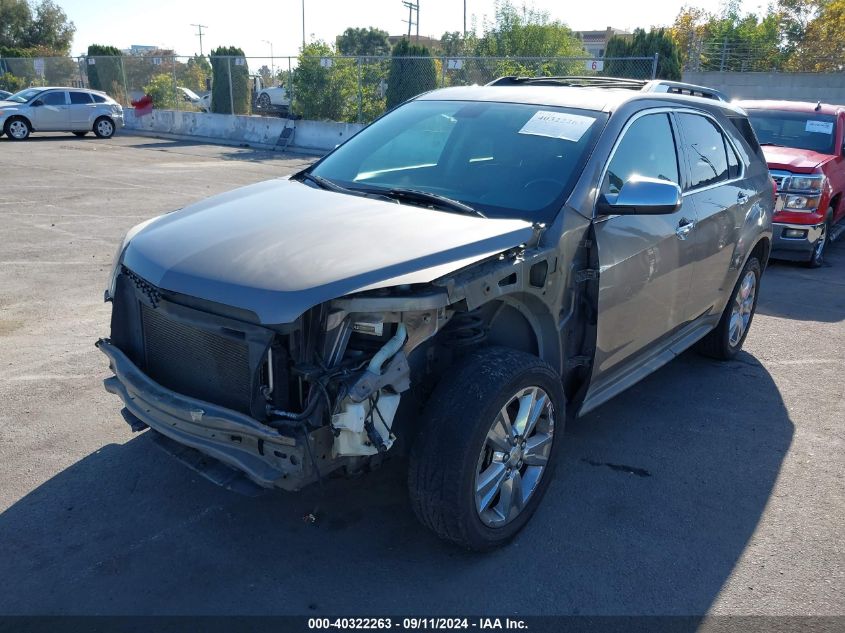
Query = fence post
x=443 y=62
x=231 y=95
x=175 y=87
x=654 y=66
x=290 y=87
x=360 y=92
x=126 y=99
x=724 y=54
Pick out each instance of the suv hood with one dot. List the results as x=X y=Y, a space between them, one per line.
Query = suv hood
x=793 y=159
x=280 y=247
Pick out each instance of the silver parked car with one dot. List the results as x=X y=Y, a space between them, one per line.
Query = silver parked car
x=453 y=282
x=74 y=110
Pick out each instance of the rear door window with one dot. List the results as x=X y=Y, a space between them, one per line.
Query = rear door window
x=704 y=147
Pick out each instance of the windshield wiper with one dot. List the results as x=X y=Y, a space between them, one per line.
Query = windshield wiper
x=773 y=144
x=428 y=199
x=330 y=185
x=322 y=183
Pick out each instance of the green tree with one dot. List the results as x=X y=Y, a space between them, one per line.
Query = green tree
x=821 y=47
x=325 y=88
x=412 y=71
x=223 y=59
x=527 y=32
x=106 y=71
x=163 y=92
x=363 y=42
x=35 y=25
x=12 y=83
x=643 y=44
x=194 y=74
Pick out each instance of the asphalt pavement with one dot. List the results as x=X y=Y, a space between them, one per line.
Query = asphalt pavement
x=708 y=488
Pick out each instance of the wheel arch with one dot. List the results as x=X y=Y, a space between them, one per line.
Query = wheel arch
x=521 y=321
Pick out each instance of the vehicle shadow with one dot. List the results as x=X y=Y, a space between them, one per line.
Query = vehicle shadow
x=655 y=499
x=793 y=291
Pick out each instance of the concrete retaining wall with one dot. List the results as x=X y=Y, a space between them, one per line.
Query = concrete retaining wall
x=825 y=87
x=251 y=130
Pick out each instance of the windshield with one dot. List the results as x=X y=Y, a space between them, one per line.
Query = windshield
x=24 y=95
x=801 y=130
x=503 y=159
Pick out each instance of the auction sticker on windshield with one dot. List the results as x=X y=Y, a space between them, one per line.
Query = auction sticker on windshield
x=570 y=127
x=821 y=127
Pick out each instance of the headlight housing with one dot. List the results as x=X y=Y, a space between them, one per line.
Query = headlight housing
x=793 y=202
x=118 y=256
x=808 y=183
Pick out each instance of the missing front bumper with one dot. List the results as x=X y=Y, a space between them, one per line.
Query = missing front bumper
x=264 y=455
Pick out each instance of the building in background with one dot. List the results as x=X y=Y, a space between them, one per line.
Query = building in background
x=595 y=42
x=138 y=49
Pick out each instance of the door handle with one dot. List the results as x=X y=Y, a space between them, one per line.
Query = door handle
x=684 y=228
x=741 y=198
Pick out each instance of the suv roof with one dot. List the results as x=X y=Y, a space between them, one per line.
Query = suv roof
x=642 y=85
x=789 y=106
x=604 y=99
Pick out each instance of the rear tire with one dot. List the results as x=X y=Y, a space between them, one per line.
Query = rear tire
x=17 y=128
x=104 y=127
x=486 y=449
x=725 y=341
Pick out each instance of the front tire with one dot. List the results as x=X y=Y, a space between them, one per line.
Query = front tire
x=263 y=102
x=17 y=129
x=817 y=255
x=104 y=127
x=725 y=341
x=487 y=446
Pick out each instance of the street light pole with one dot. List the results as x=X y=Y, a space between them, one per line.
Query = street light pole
x=272 y=61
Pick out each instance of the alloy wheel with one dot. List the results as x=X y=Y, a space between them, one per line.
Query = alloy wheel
x=18 y=129
x=743 y=307
x=105 y=128
x=514 y=456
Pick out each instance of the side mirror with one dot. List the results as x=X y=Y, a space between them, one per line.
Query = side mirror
x=643 y=196
x=37 y=102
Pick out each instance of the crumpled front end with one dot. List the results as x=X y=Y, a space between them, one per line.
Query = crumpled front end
x=275 y=406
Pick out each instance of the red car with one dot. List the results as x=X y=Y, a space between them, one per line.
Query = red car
x=803 y=144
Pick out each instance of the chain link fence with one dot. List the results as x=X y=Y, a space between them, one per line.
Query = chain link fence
x=349 y=89
x=732 y=56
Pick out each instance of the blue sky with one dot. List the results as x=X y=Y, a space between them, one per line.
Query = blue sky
x=167 y=23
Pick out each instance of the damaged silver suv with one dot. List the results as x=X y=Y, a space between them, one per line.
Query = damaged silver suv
x=452 y=283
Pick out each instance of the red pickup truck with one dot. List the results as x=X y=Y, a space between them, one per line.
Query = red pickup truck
x=803 y=144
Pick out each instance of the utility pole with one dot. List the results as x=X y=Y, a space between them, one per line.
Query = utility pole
x=200 y=27
x=303 y=26
x=465 y=19
x=272 y=61
x=412 y=6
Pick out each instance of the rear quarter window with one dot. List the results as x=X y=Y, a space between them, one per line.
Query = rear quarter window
x=98 y=98
x=743 y=126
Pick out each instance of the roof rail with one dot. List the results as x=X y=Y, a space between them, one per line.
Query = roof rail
x=573 y=81
x=683 y=88
x=643 y=85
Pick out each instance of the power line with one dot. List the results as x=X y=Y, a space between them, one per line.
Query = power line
x=200 y=27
